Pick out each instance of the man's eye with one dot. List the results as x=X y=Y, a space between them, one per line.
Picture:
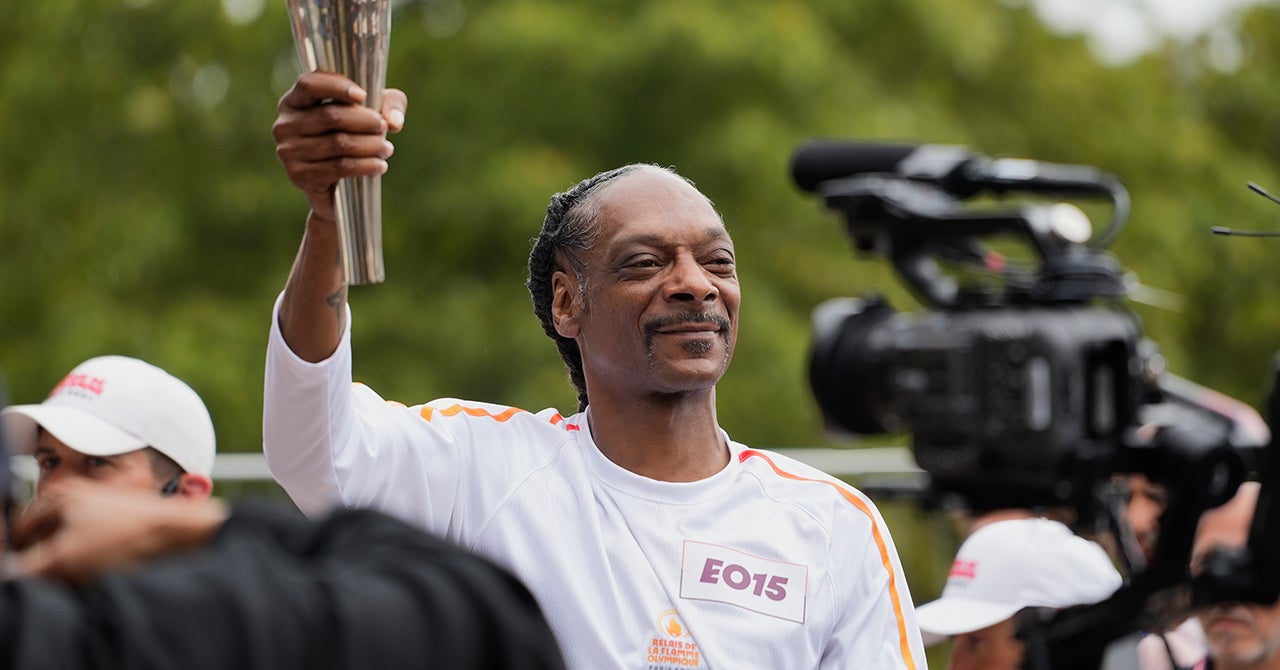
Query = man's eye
x=98 y=462
x=47 y=463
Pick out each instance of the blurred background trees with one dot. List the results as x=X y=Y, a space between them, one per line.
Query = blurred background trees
x=142 y=210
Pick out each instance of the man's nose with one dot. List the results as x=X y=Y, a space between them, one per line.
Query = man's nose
x=47 y=479
x=690 y=282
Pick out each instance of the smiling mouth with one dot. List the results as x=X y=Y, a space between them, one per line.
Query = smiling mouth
x=689 y=323
x=696 y=332
x=689 y=329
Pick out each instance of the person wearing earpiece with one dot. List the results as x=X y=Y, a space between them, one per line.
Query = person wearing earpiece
x=120 y=421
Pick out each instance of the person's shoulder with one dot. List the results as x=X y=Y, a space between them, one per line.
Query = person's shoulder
x=782 y=465
x=781 y=473
x=832 y=503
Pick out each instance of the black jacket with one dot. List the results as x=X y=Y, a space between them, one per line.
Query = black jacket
x=275 y=591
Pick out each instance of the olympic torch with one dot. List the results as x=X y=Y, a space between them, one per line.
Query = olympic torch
x=350 y=37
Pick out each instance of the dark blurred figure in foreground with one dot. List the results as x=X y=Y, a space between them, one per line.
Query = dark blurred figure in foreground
x=117 y=578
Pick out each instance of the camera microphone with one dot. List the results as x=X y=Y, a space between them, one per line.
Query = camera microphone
x=953 y=168
x=1223 y=230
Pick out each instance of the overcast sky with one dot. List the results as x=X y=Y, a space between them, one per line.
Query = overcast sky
x=1122 y=30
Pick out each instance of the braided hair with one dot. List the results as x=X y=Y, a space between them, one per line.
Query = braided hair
x=570 y=227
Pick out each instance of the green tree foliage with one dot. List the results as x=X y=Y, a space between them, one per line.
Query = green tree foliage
x=142 y=210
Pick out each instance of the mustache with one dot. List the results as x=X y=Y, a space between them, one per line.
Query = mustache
x=1232 y=611
x=718 y=320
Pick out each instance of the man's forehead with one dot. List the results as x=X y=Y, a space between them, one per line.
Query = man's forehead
x=653 y=206
x=690 y=233
x=47 y=442
x=653 y=188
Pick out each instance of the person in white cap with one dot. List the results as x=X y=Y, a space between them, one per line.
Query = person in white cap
x=122 y=421
x=1002 y=568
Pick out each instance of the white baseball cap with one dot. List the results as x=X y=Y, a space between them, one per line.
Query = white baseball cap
x=1008 y=565
x=115 y=404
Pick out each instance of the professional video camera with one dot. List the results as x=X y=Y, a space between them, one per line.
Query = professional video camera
x=1023 y=384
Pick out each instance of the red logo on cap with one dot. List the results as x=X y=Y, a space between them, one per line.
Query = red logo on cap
x=967 y=569
x=80 y=381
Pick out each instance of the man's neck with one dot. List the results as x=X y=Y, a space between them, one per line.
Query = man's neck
x=664 y=438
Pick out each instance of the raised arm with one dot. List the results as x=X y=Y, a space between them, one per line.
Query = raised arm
x=324 y=133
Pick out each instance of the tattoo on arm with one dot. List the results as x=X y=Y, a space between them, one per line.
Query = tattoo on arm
x=337 y=300
x=339 y=297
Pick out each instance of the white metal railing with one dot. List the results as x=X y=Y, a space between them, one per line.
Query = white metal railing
x=252 y=467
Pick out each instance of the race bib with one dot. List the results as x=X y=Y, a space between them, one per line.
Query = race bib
x=720 y=574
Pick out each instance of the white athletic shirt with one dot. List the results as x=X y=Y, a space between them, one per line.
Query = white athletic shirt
x=767 y=564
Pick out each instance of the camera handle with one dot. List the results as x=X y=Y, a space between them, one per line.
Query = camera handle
x=913 y=224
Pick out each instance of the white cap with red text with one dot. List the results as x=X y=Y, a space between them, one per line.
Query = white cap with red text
x=111 y=405
x=1008 y=565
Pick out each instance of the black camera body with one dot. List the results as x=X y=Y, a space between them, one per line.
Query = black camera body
x=1022 y=384
x=1008 y=406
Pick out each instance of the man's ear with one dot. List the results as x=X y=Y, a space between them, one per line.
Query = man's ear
x=565 y=303
x=193 y=486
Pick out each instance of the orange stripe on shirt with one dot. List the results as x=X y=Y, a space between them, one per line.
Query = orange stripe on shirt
x=903 y=639
x=455 y=409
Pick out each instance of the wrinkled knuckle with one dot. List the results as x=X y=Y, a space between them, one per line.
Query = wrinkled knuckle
x=331 y=113
x=343 y=143
x=305 y=83
x=287 y=149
